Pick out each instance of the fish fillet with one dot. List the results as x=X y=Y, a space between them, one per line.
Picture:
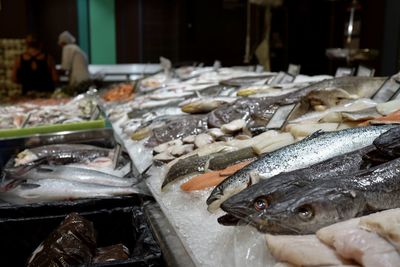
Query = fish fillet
x=327 y=234
x=367 y=248
x=386 y=224
x=304 y=250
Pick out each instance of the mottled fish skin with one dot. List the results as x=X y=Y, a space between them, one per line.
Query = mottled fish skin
x=329 y=202
x=389 y=142
x=309 y=151
x=224 y=160
x=191 y=164
x=277 y=188
x=178 y=128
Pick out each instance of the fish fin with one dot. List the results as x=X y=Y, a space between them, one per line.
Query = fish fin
x=27 y=186
x=314 y=135
x=10 y=184
x=44 y=169
x=254 y=177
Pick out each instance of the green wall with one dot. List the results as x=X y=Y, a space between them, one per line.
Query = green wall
x=102 y=31
x=83 y=25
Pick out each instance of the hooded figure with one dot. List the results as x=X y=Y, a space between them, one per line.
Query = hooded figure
x=74 y=60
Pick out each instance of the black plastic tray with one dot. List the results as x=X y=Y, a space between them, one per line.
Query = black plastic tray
x=126 y=225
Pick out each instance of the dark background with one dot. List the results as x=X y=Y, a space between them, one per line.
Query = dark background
x=206 y=30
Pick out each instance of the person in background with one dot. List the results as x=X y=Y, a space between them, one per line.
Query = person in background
x=35 y=69
x=74 y=61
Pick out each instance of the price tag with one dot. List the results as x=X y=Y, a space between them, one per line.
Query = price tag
x=294 y=69
x=363 y=71
x=388 y=90
x=280 y=117
x=343 y=71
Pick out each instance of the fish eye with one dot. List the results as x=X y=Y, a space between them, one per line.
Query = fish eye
x=261 y=203
x=305 y=212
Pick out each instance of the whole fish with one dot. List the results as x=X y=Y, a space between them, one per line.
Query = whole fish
x=46 y=190
x=178 y=128
x=311 y=150
x=198 y=164
x=328 y=202
x=63 y=153
x=74 y=174
x=273 y=190
x=264 y=107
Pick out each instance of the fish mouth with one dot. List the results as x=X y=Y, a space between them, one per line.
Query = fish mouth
x=228 y=220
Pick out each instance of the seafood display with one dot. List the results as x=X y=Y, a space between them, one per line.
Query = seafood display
x=240 y=153
x=65 y=172
x=27 y=115
x=333 y=158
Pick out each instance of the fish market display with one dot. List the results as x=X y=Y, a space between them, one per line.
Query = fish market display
x=311 y=150
x=65 y=172
x=200 y=128
x=25 y=115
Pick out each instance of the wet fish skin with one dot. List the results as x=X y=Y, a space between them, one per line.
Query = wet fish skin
x=74 y=174
x=65 y=153
x=329 y=202
x=222 y=161
x=178 y=128
x=185 y=166
x=280 y=186
x=314 y=149
x=46 y=190
x=389 y=142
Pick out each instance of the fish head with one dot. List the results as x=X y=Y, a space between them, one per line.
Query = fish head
x=250 y=204
x=230 y=186
x=302 y=212
x=308 y=212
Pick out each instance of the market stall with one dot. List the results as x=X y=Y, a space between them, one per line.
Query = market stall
x=240 y=165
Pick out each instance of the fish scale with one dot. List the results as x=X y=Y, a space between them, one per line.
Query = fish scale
x=311 y=150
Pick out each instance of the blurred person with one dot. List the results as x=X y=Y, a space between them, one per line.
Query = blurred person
x=35 y=69
x=74 y=60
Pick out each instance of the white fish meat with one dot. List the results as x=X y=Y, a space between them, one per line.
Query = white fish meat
x=233 y=126
x=46 y=190
x=303 y=250
x=368 y=249
x=386 y=224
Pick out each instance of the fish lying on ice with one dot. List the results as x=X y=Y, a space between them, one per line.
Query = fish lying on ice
x=46 y=190
x=314 y=149
x=249 y=204
x=74 y=174
x=328 y=202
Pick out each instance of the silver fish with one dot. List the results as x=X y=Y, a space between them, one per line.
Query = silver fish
x=309 y=151
x=74 y=174
x=46 y=190
x=328 y=202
